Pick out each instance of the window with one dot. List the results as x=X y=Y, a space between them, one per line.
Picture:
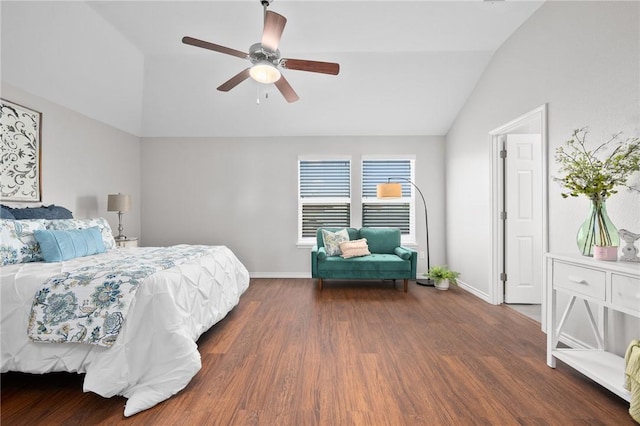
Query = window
x=399 y=213
x=324 y=195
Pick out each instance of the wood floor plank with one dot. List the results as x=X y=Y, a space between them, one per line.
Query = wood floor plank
x=355 y=353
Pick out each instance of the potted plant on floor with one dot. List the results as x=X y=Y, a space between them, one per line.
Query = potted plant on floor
x=585 y=173
x=442 y=276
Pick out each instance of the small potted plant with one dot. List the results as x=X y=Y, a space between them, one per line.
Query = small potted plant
x=442 y=276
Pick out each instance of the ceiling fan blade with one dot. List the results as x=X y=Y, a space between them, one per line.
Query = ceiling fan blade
x=313 y=66
x=234 y=81
x=287 y=91
x=215 y=47
x=273 y=27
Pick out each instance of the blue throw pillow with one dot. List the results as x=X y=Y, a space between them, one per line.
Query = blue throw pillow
x=58 y=245
x=5 y=213
x=44 y=212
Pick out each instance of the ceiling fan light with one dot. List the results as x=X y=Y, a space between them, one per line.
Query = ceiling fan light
x=264 y=72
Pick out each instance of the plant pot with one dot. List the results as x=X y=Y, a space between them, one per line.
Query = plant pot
x=442 y=284
x=597 y=229
x=609 y=253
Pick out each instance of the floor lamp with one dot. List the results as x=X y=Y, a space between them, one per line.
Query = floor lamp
x=394 y=190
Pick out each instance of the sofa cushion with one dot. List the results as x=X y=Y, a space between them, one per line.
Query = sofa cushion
x=355 y=267
x=403 y=253
x=322 y=253
x=332 y=241
x=381 y=240
x=354 y=248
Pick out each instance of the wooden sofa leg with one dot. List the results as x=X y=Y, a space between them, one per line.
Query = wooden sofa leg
x=319 y=283
x=406 y=285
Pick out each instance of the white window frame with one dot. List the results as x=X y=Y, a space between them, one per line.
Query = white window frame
x=310 y=241
x=406 y=239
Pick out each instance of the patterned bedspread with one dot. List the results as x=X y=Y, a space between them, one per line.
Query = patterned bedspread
x=90 y=304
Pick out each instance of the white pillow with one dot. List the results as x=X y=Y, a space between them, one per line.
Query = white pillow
x=355 y=248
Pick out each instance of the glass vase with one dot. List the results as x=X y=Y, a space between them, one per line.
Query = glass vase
x=597 y=229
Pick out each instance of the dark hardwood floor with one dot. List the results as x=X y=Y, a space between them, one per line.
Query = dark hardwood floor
x=354 y=354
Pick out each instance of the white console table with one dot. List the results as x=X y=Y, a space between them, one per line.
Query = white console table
x=608 y=286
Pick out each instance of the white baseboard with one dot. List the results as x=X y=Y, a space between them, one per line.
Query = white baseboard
x=572 y=342
x=473 y=291
x=280 y=274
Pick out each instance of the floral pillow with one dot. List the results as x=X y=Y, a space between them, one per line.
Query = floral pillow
x=100 y=222
x=332 y=241
x=17 y=243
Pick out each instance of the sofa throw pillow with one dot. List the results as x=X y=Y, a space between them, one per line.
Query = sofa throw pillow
x=355 y=248
x=332 y=241
x=17 y=243
x=57 y=246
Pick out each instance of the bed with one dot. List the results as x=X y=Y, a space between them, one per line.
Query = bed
x=154 y=354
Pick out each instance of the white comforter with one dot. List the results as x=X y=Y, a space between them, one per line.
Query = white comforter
x=155 y=354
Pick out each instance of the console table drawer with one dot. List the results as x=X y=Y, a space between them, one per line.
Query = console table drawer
x=586 y=281
x=625 y=292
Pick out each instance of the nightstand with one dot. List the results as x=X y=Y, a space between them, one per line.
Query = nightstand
x=127 y=242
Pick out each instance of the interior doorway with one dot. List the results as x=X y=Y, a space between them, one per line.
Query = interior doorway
x=519 y=211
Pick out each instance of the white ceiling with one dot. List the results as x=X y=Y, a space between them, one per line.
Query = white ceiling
x=407 y=67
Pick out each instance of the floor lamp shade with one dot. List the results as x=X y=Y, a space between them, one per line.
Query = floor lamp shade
x=389 y=190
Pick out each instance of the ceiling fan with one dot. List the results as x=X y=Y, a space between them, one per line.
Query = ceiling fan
x=265 y=58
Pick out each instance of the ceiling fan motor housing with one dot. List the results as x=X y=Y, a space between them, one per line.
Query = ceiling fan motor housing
x=259 y=53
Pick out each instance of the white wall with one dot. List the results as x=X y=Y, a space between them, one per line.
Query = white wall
x=242 y=192
x=83 y=161
x=67 y=53
x=582 y=58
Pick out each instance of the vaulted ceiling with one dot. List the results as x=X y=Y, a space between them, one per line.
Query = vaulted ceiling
x=407 y=67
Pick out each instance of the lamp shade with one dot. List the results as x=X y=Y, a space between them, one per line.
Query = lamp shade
x=264 y=72
x=119 y=203
x=389 y=190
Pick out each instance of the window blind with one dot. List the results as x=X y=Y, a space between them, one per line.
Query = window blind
x=325 y=178
x=381 y=212
x=324 y=195
x=378 y=171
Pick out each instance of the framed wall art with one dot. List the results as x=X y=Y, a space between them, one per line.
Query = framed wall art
x=20 y=178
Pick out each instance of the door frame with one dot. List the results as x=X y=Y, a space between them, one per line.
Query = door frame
x=496 y=294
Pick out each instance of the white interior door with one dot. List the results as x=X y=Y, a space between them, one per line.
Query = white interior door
x=523 y=226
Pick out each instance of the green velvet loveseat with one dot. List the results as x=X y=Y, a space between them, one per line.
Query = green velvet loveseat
x=388 y=259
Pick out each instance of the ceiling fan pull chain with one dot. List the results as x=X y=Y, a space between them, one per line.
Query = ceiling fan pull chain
x=257 y=94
